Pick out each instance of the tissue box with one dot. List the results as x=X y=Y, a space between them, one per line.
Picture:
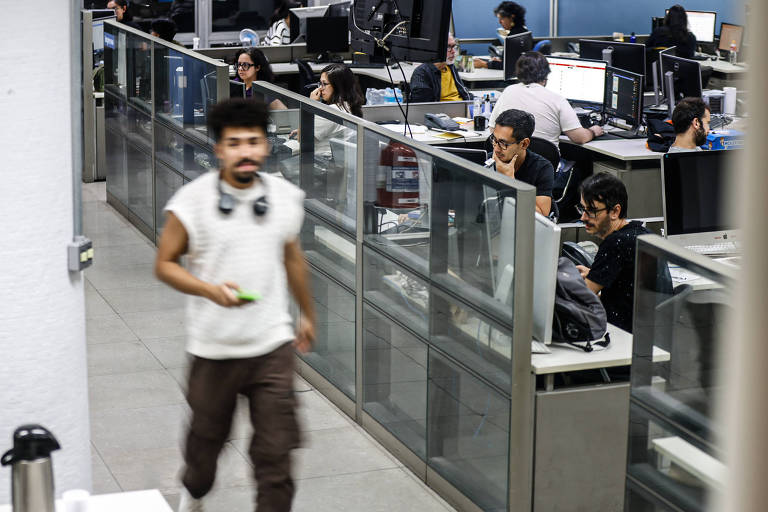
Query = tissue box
x=725 y=139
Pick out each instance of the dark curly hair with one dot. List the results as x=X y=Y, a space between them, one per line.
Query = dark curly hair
x=686 y=111
x=532 y=68
x=346 y=89
x=522 y=123
x=676 y=22
x=238 y=113
x=605 y=188
x=265 y=70
x=511 y=9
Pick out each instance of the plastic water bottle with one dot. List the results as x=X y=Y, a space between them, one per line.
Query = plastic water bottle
x=732 y=54
x=389 y=95
x=487 y=108
x=476 y=108
x=632 y=38
x=399 y=94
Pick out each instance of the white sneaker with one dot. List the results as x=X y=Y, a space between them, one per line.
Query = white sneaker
x=189 y=504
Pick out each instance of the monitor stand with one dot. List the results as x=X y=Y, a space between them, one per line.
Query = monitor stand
x=328 y=58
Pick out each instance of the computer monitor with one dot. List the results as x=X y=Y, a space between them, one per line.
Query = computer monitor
x=686 y=75
x=629 y=56
x=728 y=33
x=340 y=9
x=546 y=249
x=419 y=28
x=694 y=185
x=327 y=35
x=580 y=81
x=299 y=16
x=236 y=89
x=514 y=47
x=478 y=156
x=624 y=95
x=702 y=24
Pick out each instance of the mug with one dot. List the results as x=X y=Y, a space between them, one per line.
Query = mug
x=481 y=123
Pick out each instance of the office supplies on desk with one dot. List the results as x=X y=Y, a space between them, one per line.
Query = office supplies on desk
x=725 y=139
x=440 y=121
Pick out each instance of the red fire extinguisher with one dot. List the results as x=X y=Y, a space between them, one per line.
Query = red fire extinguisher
x=397 y=182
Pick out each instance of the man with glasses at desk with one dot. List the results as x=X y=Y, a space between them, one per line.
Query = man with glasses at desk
x=438 y=81
x=510 y=139
x=603 y=210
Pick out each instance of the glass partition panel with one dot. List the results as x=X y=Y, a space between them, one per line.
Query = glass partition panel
x=468 y=433
x=139 y=75
x=328 y=248
x=140 y=182
x=190 y=158
x=115 y=121
x=185 y=88
x=115 y=60
x=395 y=379
x=333 y=354
x=167 y=182
x=402 y=294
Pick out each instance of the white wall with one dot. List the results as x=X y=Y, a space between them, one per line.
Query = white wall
x=43 y=375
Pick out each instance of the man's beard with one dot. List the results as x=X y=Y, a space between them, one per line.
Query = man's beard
x=700 y=137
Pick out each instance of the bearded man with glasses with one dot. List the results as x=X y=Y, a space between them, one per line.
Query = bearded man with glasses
x=603 y=210
x=438 y=81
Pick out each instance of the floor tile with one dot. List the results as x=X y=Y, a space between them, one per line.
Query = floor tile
x=123 y=357
x=315 y=412
x=156 y=324
x=171 y=352
x=136 y=276
x=103 y=481
x=157 y=297
x=95 y=305
x=108 y=329
x=132 y=390
x=116 y=432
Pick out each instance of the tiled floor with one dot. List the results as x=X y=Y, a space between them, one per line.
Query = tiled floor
x=137 y=369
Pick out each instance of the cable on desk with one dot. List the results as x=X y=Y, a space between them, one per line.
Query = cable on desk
x=397 y=100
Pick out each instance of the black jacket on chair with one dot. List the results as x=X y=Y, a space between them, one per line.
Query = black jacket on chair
x=425 y=84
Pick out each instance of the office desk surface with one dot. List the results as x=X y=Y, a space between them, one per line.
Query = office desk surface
x=565 y=358
x=725 y=67
x=624 y=149
x=483 y=75
x=285 y=68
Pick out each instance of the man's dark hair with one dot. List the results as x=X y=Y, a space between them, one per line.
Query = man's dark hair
x=165 y=28
x=282 y=11
x=237 y=113
x=605 y=188
x=686 y=111
x=121 y=3
x=522 y=123
x=532 y=68
x=510 y=9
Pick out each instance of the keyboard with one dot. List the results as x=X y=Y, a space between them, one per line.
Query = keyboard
x=538 y=347
x=628 y=134
x=721 y=248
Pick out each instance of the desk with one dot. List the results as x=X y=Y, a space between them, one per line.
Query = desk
x=145 y=501
x=433 y=137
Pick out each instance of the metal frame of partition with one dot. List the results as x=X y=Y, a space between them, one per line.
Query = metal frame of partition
x=508 y=383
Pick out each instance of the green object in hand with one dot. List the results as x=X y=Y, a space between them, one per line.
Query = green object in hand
x=249 y=296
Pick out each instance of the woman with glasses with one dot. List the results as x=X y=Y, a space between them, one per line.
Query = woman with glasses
x=339 y=89
x=252 y=65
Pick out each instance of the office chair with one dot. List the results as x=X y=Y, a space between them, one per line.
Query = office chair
x=550 y=152
x=544 y=47
x=307 y=79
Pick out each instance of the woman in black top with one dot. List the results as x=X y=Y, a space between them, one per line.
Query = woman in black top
x=511 y=16
x=251 y=65
x=674 y=32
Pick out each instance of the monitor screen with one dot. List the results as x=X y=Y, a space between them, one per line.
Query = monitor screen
x=327 y=34
x=702 y=24
x=298 y=20
x=629 y=56
x=579 y=80
x=624 y=95
x=514 y=47
x=236 y=89
x=686 y=73
x=730 y=33
x=695 y=184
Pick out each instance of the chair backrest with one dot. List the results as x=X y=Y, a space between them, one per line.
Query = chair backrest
x=307 y=79
x=547 y=150
x=544 y=47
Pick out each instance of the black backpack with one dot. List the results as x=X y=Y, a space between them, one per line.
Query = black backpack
x=661 y=135
x=579 y=317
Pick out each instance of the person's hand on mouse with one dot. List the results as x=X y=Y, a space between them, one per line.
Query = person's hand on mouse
x=596 y=130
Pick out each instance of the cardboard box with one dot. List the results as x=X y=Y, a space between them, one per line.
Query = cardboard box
x=725 y=139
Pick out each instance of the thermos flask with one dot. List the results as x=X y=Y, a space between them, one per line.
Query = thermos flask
x=31 y=469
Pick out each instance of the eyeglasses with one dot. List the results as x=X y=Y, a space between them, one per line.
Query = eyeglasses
x=501 y=143
x=591 y=212
x=323 y=85
x=245 y=66
x=452 y=47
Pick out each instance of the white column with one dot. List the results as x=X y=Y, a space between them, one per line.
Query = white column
x=43 y=372
x=745 y=409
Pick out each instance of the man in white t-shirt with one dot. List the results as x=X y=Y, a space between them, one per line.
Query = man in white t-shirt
x=239 y=230
x=553 y=114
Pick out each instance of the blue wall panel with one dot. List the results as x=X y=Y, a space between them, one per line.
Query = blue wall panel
x=604 y=17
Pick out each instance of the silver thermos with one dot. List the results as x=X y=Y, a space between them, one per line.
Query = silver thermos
x=31 y=469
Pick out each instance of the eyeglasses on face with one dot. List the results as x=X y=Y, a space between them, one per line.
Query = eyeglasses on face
x=322 y=84
x=452 y=47
x=245 y=66
x=591 y=212
x=501 y=143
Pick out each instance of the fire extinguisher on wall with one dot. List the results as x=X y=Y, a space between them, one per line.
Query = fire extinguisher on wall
x=397 y=182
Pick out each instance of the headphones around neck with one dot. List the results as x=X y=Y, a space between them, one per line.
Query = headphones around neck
x=227 y=202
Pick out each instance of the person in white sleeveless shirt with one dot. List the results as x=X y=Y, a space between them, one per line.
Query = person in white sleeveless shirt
x=279 y=32
x=239 y=231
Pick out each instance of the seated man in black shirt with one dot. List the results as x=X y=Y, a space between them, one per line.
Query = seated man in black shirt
x=603 y=210
x=511 y=156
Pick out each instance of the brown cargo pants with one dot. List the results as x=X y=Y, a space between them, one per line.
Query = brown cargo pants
x=267 y=382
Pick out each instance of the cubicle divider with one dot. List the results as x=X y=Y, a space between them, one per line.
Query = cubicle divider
x=676 y=457
x=421 y=265
x=274 y=54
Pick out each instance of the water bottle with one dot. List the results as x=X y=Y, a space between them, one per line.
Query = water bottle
x=399 y=94
x=32 y=472
x=487 y=108
x=389 y=95
x=732 y=53
x=632 y=38
x=476 y=107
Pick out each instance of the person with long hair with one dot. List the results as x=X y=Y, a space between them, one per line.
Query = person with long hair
x=252 y=65
x=279 y=32
x=511 y=16
x=674 y=32
x=338 y=88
